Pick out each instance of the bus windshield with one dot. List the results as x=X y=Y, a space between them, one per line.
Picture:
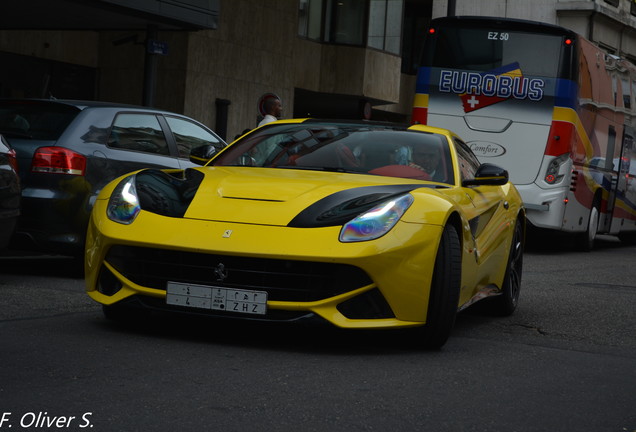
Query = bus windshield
x=485 y=49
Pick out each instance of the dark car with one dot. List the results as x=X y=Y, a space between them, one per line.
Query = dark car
x=68 y=150
x=9 y=192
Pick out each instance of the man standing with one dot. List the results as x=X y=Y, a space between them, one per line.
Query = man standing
x=273 y=109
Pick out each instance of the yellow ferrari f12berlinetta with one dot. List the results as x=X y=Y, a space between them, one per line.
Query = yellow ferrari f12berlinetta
x=359 y=224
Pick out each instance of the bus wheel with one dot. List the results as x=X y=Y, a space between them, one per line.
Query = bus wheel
x=586 y=239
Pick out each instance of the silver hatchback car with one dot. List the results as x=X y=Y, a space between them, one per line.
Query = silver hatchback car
x=68 y=150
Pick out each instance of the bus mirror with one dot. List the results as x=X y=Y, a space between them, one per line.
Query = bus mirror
x=488 y=175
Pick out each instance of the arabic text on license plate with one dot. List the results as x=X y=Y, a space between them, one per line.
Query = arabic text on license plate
x=216 y=298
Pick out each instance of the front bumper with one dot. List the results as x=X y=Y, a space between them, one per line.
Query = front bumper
x=306 y=271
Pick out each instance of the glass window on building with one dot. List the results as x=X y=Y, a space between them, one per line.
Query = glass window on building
x=627 y=96
x=310 y=13
x=385 y=25
x=373 y=23
x=345 y=22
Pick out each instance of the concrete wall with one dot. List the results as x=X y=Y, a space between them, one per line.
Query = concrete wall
x=121 y=67
x=77 y=47
x=382 y=76
x=250 y=54
x=537 y=10
x=256 y=50
x=349 y=70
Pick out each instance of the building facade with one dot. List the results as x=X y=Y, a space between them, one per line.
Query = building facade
x=215 y=59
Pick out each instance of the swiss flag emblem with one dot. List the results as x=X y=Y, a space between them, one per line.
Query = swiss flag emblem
x=473 y=102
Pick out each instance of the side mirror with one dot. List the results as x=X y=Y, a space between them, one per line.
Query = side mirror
x=488 y=175
x=202 y=154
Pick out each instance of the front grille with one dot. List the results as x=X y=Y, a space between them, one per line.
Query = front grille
x=283 y=280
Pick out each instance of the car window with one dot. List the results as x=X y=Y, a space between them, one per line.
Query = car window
x=35 y=121
x=138 y=132
x=190 y=135
x=468 y=162
x=355 y=148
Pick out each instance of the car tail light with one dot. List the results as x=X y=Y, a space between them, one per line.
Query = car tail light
x=58 y=160
x=13 y=159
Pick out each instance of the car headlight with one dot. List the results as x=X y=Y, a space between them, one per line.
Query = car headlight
x=376 y=222
x=123 y=205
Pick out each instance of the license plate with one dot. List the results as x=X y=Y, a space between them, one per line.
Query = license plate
x=216 y=298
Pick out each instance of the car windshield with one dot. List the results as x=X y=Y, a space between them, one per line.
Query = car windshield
x=354 y=148
x=38 y=121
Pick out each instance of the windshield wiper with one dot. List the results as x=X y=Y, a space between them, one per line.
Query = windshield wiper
x=319 y=168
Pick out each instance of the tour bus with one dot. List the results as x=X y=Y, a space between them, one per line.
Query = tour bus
x=546 y=104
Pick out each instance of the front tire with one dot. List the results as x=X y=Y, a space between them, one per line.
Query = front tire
x=444 y=293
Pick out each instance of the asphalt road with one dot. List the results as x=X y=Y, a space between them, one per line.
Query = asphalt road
x=566 y=361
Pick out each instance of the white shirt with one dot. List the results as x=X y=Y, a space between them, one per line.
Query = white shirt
x=267 y=119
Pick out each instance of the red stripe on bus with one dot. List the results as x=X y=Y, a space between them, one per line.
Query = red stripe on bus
x=419 y=115
x=560 y=138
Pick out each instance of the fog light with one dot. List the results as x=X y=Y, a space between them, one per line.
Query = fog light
x=107 y=283
x=368 y=305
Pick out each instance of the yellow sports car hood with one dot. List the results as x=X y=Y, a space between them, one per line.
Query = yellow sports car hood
x=282 y=197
